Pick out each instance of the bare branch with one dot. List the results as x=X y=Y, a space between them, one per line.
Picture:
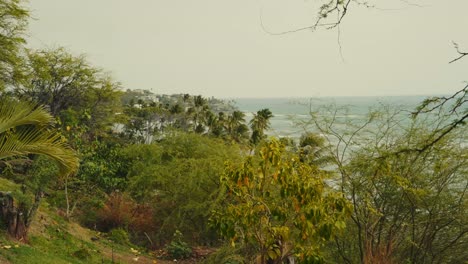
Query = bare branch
x=441 y=101
x=461 y=54
x=339 y=8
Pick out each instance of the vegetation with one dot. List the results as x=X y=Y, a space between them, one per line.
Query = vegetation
x=24 y=132
x=13 y=21
x=177 y=248
x=409 y=205
x=279 y=206
x=172 y=173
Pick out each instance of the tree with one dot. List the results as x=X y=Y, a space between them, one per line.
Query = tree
x=25 y=130
x=259 y=123
x=179 y=178
x=445 y=108
x=330 y=14
x=235 y=127
x=200 y=108
x=313 y=149
x=70 y=87
x=279 y=206
x=13 y=22
x=143 y=123
x=408 y=196
x=453 y=106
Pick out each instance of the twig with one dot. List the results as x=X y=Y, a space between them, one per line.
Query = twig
x=149 y=239
x=462 y=54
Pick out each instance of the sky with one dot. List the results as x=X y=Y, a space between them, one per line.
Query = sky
x=228 y=49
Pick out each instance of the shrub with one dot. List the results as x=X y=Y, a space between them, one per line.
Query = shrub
x=178 y=249
x=82 y=254
x=116 y=212
x=119 y=236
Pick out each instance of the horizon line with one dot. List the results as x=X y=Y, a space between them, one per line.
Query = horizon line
x=328 y=96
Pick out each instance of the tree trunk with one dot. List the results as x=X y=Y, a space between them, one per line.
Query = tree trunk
x=17 y=220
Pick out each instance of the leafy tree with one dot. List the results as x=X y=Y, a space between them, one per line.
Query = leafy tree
x=213 y=124
x=410 y=207
x=199 y=110
x=179 y=177
x=153 y=120
x=279 y=206
x=313 y=149
x=235 y=127
x=259 y=123
x=25 y=130
x=445 y=107
x=408 y=197
x=72 y=89
x=261 y=120
x=13 y=21
x=144 y=123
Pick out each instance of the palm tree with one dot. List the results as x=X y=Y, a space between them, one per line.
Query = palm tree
x=259 y=123
x=216 y=124
x=235 y=125
x=199 y=110
x=261 y=120
x=312 y=149
x=26 y=129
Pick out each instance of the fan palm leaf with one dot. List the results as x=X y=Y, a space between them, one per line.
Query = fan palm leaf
x=26 y=129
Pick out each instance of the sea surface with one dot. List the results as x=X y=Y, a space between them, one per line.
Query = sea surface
x=288 y=110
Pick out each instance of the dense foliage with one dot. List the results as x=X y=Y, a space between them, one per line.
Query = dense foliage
x=174 y=171
x=13 y=21
x=279 y=206
x=407 y=190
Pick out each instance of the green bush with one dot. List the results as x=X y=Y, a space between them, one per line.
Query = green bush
x=82 y=254
x=119 y=236
x=178 y=249
x=179 y=177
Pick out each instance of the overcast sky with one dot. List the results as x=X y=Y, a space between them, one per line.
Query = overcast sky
x=219 y=48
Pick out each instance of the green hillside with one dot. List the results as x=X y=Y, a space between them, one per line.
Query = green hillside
x=54 y=240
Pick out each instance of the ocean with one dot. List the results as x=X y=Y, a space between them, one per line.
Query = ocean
x=286 y=110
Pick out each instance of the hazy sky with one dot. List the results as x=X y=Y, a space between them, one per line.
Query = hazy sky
x=219 y=48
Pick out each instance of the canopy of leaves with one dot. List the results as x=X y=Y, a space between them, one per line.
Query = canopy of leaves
x=280 y=206
x=179 y=177
x=408 y=190
x=13 y=21
x=69 y=87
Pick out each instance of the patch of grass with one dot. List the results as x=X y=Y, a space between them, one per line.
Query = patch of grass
x=8 y=186
x=28 y=254
x=58 y=242
x=53 y=240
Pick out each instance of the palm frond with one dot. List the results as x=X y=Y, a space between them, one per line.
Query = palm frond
x=25 y=129
x=29 y=140
x=14 y=113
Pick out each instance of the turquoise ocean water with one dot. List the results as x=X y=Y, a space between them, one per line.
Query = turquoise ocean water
x=285 y=110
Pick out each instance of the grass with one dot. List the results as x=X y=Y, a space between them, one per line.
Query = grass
x=50 y=242
x=8 y=186
x=54 y=240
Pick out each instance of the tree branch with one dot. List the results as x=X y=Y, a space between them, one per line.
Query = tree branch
x=461 y=54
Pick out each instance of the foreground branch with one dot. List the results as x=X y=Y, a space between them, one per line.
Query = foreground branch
x=461 y=54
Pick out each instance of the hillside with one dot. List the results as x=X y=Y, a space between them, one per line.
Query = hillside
x=55 y=240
